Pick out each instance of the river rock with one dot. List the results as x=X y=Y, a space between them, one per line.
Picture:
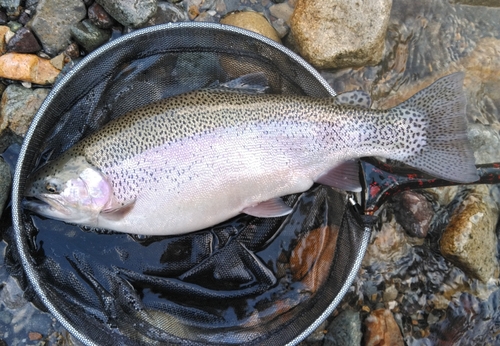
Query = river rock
x=23 y=42
x=27 y=68
x=55 y=38
x=347 y=33
x=89 y=36
x=282 y=11
x=345 y=329
x=490 y=3
x=130 y=13
x=99 y=17
x=382 y=329
x=469 y=241
x=5 y=183
x=168 y=13
x=12 y=7
x=414 y=212
x=19 y=106
x=252 y=21
x=3 y=44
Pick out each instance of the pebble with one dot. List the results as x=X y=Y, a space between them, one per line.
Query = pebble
x=14 y=26
x=3 y=45
x=469 y=241
x=491 y=3
x=99 y=17
x=413 y=212
x=327 y=32
x=58 y=61
x=282 y=11
x=89 y=36
x=19 y=106
x=168 y=13
x=66 y=13
x=382 y=329
x=3 y=18
x=23 y=42
x=5 y=183
x=34 y=336
x=11 y=6
x=252 y=21
x=28 y=68
x=130 y=13
x=345 y=329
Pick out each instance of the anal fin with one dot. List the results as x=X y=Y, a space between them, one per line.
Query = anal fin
x=344 y=176
x=271 y=208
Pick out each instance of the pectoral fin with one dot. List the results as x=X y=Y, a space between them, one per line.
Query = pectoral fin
x=344 y=176
x=116 y=211
x=272 y=208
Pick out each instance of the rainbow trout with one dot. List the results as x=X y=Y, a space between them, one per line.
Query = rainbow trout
x=194 y=160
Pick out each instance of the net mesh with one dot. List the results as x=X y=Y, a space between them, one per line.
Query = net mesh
x=246 y=281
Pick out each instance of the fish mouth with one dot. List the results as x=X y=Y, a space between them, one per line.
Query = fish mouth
x=44 y=205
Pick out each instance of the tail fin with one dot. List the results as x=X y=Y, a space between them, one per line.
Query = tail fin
x=447 y=153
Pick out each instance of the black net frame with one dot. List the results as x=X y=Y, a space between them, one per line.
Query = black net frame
x=116 y=314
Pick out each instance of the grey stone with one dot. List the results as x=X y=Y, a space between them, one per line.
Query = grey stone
x=347 y=33
x=485 y=142
x=133 y=13
x=89 y=36
x=345 y=329
x=168 y=13
x=5 y=183
x=11 y=295
x=5 y=317
x=490 y=3
x=53 y=20
x=12 y=7
x=14 y=26
x=19 y=106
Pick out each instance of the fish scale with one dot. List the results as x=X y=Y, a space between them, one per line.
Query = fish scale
x=193 y=160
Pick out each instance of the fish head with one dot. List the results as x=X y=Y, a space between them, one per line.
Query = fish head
x=69 y=189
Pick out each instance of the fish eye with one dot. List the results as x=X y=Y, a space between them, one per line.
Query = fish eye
x=51 y=187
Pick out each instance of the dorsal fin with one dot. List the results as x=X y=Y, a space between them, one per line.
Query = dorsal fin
x=355 y=98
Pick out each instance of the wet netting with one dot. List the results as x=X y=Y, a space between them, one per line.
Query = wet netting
x=247 y=281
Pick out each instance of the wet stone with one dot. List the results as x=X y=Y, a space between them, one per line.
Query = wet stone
x=3 y=32
x=11 y=295
x=99 y=17
x=470 y=241
x=53 y=20
x=316 y=25
x=89 y=36
x=130 y=13
x=24 y=18
x=12 y=7
x=19 y=106
x=3 y=18
x=413 y=212
x=345 y=329
x=168 y=13
x=14 y=26
x=23 y=42
x=253 y=21
x=382 y=329
x=72 y=51
x=27 y=68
